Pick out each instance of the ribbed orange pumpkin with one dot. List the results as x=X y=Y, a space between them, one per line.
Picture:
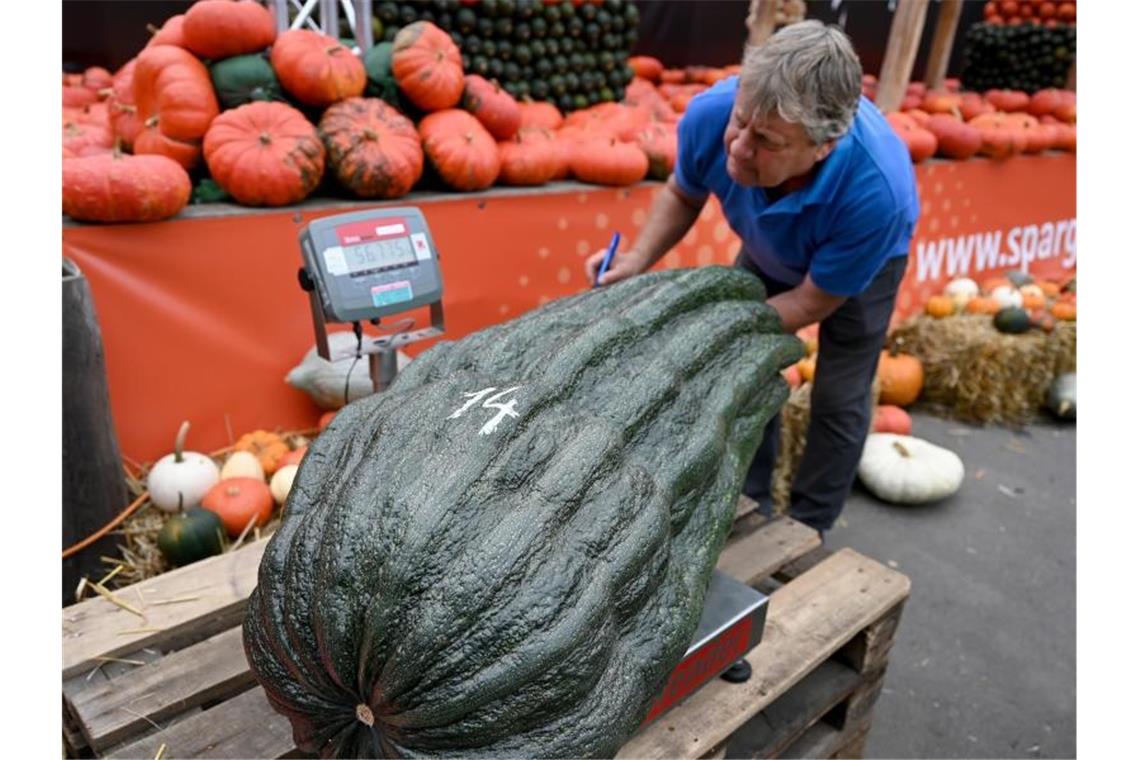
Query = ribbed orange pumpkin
x=122 y=188
x=900 y=378
x=265 y=154
x=462 y=151
x=374 y=149
x=492 y=106
x=940 y=306
x=267 y=446
x=219 y=29
x=77 y=96
x=659 y=143
x=983 y=305
x=609 y=162
x=427 y=66
x=560 y=150
x=527 y=162
x=316 y=69
x=96 y=78
x=175 y=101
x=86 y=138
x=170 y=33
x=125 y=121
x=646 y=67
x=539 y=114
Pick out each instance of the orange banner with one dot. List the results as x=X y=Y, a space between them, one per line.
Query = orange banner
x=202 y=315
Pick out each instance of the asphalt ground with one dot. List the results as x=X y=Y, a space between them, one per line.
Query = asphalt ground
x=984 y=663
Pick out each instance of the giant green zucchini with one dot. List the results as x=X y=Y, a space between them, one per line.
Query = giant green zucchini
x=506 y=553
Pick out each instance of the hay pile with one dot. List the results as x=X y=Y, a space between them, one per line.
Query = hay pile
x=977 y=374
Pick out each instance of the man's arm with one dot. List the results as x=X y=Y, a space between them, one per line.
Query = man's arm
x=670 y=217
x=804 y=304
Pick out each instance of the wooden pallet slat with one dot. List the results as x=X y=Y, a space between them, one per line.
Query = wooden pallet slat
x=808 y=621
x=216 y=591
x=114 y=711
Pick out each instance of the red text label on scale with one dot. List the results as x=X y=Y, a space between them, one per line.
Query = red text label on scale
x=366 y=231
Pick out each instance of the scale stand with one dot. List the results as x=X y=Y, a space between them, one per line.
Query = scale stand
x=381 y=352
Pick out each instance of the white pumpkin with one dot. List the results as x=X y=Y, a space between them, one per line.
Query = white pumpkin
x=243 y=464
x=324 y=380
x=902 y=469
x=961 y=286
x=1006 y=296
x=282 y=482
x=180 y=480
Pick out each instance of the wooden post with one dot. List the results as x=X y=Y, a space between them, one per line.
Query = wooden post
x=94 y=489
x=902 y=47
x=944 y=33
x=761 y=20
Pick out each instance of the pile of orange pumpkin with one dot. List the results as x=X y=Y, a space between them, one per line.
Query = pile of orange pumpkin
x=162 y=108
x=900 y=378
x=996 y=124
x=1045 y=301
x=1045 y=12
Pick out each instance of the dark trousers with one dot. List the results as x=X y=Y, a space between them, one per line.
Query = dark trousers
x=849 y=344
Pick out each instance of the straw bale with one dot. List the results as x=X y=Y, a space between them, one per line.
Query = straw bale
x=976 y=374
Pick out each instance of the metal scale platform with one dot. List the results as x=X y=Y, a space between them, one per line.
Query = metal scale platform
x=377 y=264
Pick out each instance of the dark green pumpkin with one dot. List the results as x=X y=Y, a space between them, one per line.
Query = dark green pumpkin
x=1012 y=320
x=381 y=82
x=506 y=553
x=244 y=79
x=190 y=536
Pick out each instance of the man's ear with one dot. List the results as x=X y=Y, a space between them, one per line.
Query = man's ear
x=823 y=151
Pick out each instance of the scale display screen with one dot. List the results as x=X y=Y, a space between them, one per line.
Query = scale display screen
x=379 y=254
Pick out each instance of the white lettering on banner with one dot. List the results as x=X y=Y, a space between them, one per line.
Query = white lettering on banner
x=982 y=251
x=505 y=410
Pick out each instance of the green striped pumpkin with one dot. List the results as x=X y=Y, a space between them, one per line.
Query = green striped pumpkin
x=506 y=553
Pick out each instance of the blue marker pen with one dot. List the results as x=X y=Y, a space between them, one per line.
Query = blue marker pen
x=609 y=257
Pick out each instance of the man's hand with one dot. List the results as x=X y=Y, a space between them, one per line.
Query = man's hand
x=623 y=265
x=804 y=304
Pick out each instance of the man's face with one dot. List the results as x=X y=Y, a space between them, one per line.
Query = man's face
x=765 y=151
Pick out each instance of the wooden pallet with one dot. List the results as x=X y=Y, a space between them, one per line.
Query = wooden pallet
x=170 y=672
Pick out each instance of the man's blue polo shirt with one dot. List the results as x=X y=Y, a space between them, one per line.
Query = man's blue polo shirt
x=858 y=211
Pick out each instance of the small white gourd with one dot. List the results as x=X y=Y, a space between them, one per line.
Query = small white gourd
x=243 y=464
x=961 y=290
x=324 y=380
x=282 y=482
x=902 y=469
x=1006 y=296
x=180 y=480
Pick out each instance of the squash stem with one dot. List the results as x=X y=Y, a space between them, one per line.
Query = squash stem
x=901 y=449
x=180 y=440
x=364 y=715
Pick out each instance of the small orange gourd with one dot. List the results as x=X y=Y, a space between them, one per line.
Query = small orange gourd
x=1064 y=310
x=940 y=306
x=268 y=447
x=983 y=305
x=900 y=378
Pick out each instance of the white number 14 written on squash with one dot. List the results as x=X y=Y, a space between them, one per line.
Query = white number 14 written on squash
x=505 y=409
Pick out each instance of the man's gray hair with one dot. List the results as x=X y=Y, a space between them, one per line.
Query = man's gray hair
x=809 y=74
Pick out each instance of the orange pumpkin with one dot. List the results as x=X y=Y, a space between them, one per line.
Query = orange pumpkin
x=169 y=34
x=806 y=368
x=120 y=188
x=77 y=97
x=427 y=66
x=219 y=29
x=983 y=305
x=527 y=163
x=1064 y=310
x=265 y=154
x=1031 y=301
x=266 y=446
x=125 y=122
x=891 y=419
x=793 y=377
x=316 y=69
x=1049 y=288
x=238 y=501
x=558 y=148
x=920 y=143
x=1008 y=100
x=659 y=143
x=609 y=162
x=462 y=151
x=646 y=67
x=374 y=149
x=900 y=378
x=325 y=420
x=539 y=114
x=492 y=106
x=175 y=101
x=956 y=139
x=940 y=306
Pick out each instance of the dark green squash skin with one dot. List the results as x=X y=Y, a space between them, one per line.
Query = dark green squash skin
x=381 y=81
x=190 y=536
x=526 y=592
x=243 y=79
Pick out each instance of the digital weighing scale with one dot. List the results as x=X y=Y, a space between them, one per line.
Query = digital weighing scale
x=373 y=265
x=370 y=266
